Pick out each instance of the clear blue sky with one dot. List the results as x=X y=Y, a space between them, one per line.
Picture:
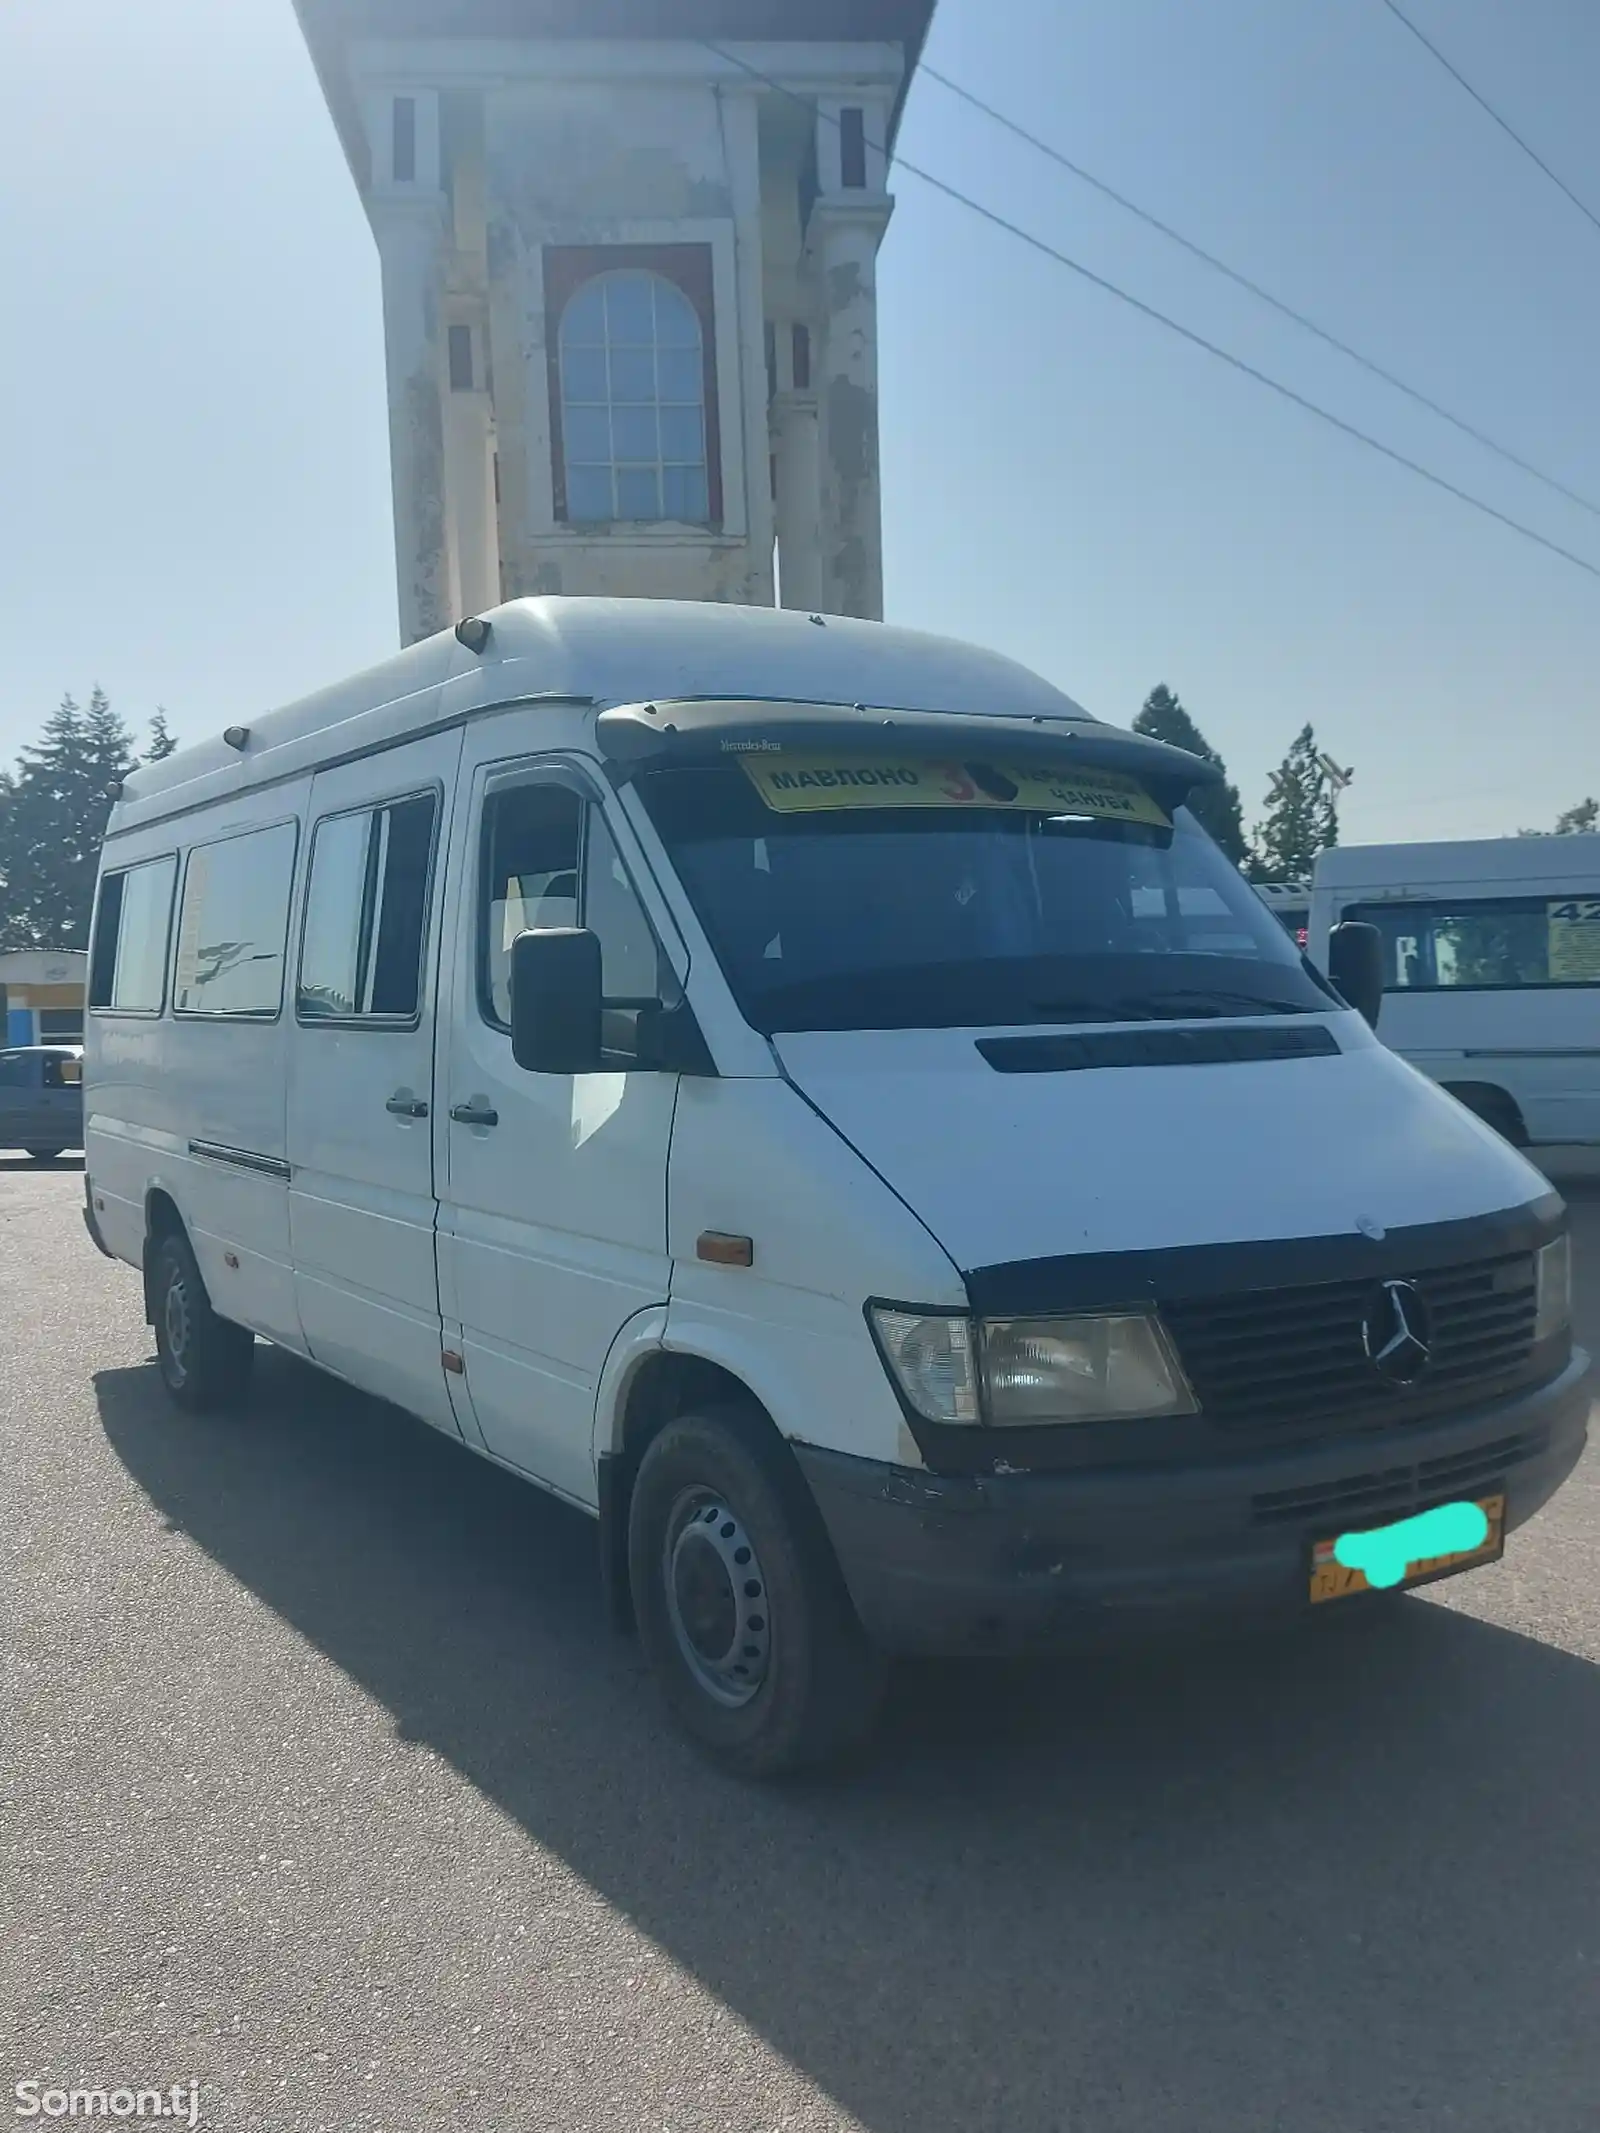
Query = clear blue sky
x=194 y=508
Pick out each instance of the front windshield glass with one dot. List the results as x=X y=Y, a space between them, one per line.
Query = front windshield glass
x=936 y=917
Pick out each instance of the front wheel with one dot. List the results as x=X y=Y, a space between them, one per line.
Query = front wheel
x=44 y=1155
x=204 y=1360
x=741 y=1608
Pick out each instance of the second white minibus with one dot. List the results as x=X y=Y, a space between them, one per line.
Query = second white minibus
x=1491 y=971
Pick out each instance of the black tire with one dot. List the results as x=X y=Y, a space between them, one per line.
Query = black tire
x=44 y=1155
x=204 y=1360
x=720 y=1526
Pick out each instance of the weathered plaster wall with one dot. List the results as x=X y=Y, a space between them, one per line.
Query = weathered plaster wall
x=483 y=153
x=410 y=238
x=597 y=164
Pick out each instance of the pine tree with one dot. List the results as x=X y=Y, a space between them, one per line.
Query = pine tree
x=1302 y=816
x=108 y=751
x=1216 y=807
x=10 y=936
x=162 y=742
x=54 y=816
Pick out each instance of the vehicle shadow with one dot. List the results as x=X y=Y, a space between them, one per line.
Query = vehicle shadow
x=1343 y=1881
x=19 y=1159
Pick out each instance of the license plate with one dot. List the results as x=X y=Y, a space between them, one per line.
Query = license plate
x=1332 y=1579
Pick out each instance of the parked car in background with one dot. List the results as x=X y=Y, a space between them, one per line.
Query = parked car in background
x=1491 y=971
x=41 y=1099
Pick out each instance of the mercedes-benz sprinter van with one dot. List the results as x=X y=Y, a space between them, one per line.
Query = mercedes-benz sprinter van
x=816 y=1100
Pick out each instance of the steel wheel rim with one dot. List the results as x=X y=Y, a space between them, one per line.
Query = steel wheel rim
x=717 y=1600
x=176 y=1323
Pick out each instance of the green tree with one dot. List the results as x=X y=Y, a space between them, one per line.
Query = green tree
x=8 y=795
x=1302 y=816
x=1579 y=821
x=55 y=806
x=1163 y=718
x=162 y=742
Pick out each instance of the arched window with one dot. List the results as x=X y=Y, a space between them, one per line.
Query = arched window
x=632 y=395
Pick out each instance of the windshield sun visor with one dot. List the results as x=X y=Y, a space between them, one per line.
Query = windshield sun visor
x=997 y=761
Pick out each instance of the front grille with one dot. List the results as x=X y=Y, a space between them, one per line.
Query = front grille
x=1283 y=1362
x=1398 y=1491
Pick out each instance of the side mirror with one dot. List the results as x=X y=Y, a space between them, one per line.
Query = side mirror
x=555 y=1001
x=1355 y=964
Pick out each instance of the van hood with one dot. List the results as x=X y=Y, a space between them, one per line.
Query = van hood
x=1006 y=1166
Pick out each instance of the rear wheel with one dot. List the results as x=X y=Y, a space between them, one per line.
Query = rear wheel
x=204 y=1360
x=741 y=1609
x=44 y=1155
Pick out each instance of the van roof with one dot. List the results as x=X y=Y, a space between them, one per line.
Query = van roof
x=604 y=652
x=1561 y=858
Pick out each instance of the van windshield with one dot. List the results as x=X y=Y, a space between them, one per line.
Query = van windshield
x=935 y=917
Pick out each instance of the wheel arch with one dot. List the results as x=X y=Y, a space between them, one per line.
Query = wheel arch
x=162 y=1218
x=644 y=1387
x=1494 y=1104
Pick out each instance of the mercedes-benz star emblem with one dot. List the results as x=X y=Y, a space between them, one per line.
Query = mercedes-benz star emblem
x=1397 y=1332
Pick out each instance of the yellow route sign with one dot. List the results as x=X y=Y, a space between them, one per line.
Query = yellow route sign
x=801 y=784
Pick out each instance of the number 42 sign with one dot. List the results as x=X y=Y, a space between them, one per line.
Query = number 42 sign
x=1574 y=924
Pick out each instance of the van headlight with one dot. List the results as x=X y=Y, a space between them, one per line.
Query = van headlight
x=1552 y=1288
x=1012 y=1372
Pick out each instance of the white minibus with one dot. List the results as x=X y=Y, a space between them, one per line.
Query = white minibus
x=812 y=1098
x=1491 y=971
x=1290 y=904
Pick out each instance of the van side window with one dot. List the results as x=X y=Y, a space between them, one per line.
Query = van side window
x=539 y=843
x=530 y=879
x=367 y=914
x=630 y=971
x=1486 y=944
x=232 y=932
x=128 y=966
x=62 y=1073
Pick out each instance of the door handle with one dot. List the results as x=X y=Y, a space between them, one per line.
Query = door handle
x=403 y=1106
x=474 y=1115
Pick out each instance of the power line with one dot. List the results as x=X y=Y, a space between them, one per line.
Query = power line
x=1255 y=289
x=1187 y=333
x=1484 y=104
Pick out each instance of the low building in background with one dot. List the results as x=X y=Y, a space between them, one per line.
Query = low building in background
x=41 y=995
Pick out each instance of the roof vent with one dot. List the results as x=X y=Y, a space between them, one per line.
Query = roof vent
x=473 y=633
x=236 y=736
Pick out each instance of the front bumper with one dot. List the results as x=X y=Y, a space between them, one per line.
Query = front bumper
x=1020 y=1562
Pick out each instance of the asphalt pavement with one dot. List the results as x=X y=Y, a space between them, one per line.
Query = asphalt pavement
x=329 y=1791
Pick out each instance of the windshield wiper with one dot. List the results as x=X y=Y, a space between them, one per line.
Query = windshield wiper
x=1178 y=1005
x=1207 y=1000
